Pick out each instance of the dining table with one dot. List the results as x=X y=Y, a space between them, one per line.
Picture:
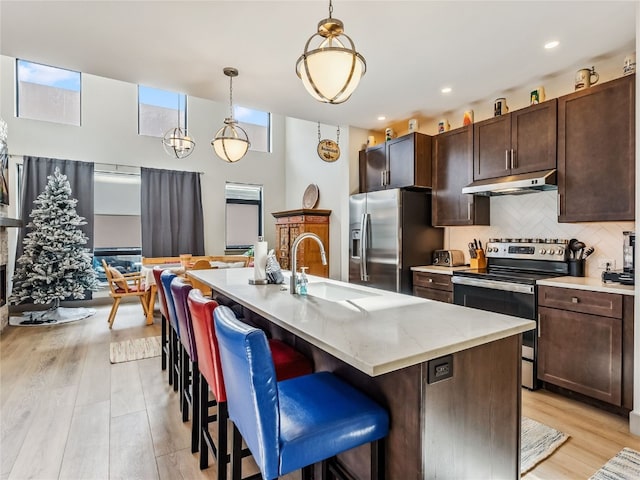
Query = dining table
x=150 y=284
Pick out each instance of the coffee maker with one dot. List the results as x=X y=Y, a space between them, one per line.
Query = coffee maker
x=626 y=275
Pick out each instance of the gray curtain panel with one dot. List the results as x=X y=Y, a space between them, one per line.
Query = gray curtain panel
x=171 y=213
x=35 y=171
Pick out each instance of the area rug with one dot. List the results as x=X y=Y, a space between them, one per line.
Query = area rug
x=47 y=317
x=135 y=349
x=624 y=466
x=537 y=442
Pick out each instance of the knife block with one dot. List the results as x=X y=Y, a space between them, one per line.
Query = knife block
x=480 y=262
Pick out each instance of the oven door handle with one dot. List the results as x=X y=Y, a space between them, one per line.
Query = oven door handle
x=494 y=284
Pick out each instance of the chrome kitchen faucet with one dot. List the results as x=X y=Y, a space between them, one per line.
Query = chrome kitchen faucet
x=294 y=260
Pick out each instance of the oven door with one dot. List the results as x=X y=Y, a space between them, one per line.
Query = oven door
x=518 y=300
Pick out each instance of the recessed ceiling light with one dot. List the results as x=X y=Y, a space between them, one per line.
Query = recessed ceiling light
x=552 y=44
x=446 y=90
x=381 y=117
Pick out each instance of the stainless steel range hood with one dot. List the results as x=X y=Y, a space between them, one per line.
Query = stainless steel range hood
x=514 y=184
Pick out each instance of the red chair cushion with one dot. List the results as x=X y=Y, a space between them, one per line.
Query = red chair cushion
x=289 y=363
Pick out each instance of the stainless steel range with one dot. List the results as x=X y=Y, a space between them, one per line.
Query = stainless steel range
x=508 y=285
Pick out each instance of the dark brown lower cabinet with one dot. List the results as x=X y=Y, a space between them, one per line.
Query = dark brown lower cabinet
x=585 y=343
x=581 y=352
x=433 y=286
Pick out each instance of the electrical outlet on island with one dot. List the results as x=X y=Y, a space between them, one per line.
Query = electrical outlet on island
x=603 y=263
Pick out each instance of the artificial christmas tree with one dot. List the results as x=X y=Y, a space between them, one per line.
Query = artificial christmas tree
x=54 y=265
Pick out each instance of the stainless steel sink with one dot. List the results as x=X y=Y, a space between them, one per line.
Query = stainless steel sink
x=336 y=293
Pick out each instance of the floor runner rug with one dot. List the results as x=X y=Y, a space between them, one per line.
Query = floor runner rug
x=624 y=466
x=538 y=441
x=135 y=349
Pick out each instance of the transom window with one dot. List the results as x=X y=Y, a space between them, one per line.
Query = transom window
x=160 y=110
x=257 y=124
x=47 y=93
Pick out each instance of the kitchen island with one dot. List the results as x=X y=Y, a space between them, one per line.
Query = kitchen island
x=449 y=375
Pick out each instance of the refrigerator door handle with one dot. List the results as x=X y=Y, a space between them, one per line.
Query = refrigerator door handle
x=364 y=276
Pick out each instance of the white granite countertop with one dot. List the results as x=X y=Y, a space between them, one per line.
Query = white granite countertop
x=373 y=330
x=439 y=269
x=587 y=283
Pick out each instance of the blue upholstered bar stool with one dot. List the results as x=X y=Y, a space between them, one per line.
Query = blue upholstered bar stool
x=288 y=362
x=166 y=328
x=294 y=423
x=166 y=277
x=190 y=374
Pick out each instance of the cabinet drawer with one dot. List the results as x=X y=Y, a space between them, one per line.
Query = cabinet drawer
x=438 y=281
x=433 y=294
x=583 y=301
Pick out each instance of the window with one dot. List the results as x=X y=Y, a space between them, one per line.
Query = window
x=257 y=124
x=243 y=215
x=160 y=110
x=47 y=93
x=117 y=236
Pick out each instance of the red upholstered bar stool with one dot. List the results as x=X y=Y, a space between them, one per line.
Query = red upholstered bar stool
x=165 y=335
x=288 y=363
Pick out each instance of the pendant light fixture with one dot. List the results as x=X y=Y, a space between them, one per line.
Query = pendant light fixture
x=176 y=141
x=331 y=71
x=231 y=141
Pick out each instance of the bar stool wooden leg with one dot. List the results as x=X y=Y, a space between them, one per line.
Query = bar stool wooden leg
x=195 y=407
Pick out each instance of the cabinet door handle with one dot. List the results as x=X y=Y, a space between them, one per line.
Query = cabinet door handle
x=506 y=159
x=513 y=160
x=468 y=211
x=575 y=300
x=388 y=177
x=539 y=326
x=559 y=203
x=382 y=175
x=430 y=280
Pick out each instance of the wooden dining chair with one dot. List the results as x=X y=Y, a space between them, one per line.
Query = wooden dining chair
x=122 y=286
x=231 y=259
x=203 y=287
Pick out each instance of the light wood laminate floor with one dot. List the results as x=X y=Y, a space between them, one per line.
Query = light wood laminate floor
x=67 y=413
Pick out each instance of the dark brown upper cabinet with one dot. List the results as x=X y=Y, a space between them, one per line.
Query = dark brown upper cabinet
x=596 y=153
x=519 y=142
x=401 y=162
x=452 y=155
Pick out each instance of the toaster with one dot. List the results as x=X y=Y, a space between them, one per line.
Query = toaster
x=448 y=258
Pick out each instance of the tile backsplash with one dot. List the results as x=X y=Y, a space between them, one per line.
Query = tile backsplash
x=535 y=215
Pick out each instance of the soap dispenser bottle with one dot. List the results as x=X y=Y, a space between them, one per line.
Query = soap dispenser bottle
x=303 y=281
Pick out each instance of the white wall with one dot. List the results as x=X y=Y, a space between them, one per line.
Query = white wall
x=108 y=134
x=304 y=167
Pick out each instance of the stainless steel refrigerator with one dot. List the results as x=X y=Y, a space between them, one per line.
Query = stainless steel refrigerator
x=389 y=232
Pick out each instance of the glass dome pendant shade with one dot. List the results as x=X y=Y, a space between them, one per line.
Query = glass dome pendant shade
x=230 y=142
x=331 y=71
x=177 y=142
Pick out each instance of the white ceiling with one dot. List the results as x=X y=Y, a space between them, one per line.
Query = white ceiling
x=412 y=48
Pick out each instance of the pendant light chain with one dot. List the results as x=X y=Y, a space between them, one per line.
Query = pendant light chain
x=330 y=8
x=337 y=135
x=231 y=97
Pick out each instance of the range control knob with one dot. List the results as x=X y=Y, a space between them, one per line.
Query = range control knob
x=552 y=251
x=560 y=251
x=543 y=251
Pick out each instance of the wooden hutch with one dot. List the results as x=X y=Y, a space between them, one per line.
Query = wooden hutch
x=290 y=224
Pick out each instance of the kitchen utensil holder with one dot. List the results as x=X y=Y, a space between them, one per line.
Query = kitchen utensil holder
x=576 y=267
x=480 y=262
